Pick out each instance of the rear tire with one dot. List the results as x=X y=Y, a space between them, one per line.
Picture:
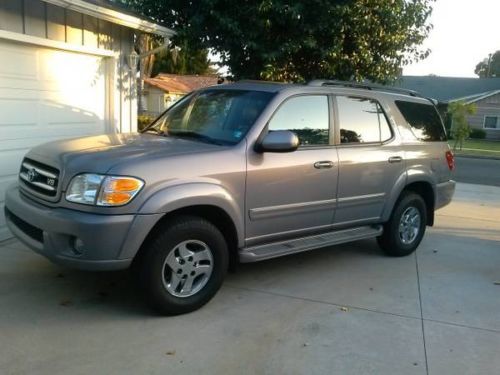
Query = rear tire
x=183 y=265
x=406 y=227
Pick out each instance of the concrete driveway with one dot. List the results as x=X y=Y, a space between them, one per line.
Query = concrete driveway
x=340 y=310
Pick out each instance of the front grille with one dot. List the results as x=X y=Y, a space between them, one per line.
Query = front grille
x=39 y=177
x=28 y=229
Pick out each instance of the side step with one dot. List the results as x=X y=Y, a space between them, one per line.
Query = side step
x=297 y=245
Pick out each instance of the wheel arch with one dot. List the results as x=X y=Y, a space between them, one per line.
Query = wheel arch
x=426 y=191
x=213 y=214
x=424 y=188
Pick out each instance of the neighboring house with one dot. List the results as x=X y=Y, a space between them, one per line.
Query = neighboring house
x=64 y=72
x=483 y=92
x=164 y=90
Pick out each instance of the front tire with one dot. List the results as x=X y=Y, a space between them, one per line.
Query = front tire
x=406 y=227
x=183 y=265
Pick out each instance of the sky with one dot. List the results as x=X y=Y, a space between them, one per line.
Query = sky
x=464 y=33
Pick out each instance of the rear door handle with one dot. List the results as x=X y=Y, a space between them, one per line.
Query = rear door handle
x=325 y=164
x=395 y=159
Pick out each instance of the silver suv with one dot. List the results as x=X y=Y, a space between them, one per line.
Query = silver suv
x=240 y=172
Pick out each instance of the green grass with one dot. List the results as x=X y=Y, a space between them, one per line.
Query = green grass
x=478 y=147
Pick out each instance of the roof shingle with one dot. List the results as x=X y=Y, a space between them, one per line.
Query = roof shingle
x=446 y=89
x=183 y=84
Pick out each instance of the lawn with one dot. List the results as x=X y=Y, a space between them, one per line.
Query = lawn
x=478 y=147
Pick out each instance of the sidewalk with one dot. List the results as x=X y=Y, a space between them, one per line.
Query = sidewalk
x=340 y=310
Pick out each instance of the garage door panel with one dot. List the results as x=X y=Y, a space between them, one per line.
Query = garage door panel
x=79 y=69
x=5 y=182
x=18 y=62
x=2 y=220
x=17 y=114
x=11 y=160
x=45 y=95
x=53 y=113
x=4 y=232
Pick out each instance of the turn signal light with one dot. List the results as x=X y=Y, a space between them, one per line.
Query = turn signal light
x=117 y=191
x=123 y=184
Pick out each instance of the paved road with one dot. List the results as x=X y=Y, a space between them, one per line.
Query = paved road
x=341 y=310
x=478 y=171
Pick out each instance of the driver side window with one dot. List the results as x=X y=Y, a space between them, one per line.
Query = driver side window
x=306 y=116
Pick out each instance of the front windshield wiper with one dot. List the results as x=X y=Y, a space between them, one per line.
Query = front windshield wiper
x=198 y=136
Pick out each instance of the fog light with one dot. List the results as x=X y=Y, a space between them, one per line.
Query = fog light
x=78 y=246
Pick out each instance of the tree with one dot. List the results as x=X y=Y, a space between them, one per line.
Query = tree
x=460 y=128
x=489 y=67
x=183 y=60
x=302 y=39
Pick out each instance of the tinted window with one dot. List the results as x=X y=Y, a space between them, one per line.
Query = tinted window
x=424 y=121
x=306 y=116
x=224 y=116
x=362 y=120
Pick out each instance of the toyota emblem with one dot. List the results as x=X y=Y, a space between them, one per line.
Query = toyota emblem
x=31 y=174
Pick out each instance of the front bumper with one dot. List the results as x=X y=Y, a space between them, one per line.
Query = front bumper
x=444 y=193
x=76 y=239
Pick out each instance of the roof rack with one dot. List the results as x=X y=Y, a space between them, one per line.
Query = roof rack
x=361 y=85
x=259 y=81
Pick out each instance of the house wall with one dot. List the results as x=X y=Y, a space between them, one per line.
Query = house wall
x=155 y=100
x=46 y=21
x=486 y=107
x=158 y=100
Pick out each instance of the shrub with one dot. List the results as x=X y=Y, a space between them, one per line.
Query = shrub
x=477 y=134
x=460 y=128
x=143 y=121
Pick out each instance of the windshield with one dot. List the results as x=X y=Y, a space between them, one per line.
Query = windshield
x=215 y=116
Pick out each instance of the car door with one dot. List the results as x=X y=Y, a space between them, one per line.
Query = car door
x=370 y=160
x=291 y=194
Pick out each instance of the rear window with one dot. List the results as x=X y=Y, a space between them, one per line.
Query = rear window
x=424 y=121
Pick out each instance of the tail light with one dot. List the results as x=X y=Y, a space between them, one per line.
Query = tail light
x=450 y=159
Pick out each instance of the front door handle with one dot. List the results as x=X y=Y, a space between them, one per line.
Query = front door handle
x=395 y=159
x=325 y=164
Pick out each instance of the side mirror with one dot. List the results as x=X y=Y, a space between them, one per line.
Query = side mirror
x=279 y=141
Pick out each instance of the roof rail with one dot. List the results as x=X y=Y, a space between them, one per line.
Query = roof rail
x=259 y=81
x=361 y=85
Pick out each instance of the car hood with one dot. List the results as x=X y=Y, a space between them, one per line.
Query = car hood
x=98 y=154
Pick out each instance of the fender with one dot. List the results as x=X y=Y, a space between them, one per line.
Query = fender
x=418 y=173
x=193 y=194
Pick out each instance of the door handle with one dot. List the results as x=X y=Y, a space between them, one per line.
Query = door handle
x=325 y=164
x=395 y=159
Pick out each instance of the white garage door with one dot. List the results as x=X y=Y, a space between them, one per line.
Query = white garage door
x=45 y=94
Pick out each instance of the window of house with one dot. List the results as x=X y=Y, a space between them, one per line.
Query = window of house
x=306 y=116
x=362 y=120
x=491 y=122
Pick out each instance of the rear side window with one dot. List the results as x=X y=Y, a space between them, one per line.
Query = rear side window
x=362 y=120
x=424 y=121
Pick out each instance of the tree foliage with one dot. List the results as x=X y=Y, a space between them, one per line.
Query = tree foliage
x=183 y=60
x=301 y=39
x=493 y=71
x=460 y=128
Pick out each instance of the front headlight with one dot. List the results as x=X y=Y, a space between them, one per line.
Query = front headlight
x=95 y=189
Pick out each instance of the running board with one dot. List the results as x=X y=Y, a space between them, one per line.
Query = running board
x=297 y=245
